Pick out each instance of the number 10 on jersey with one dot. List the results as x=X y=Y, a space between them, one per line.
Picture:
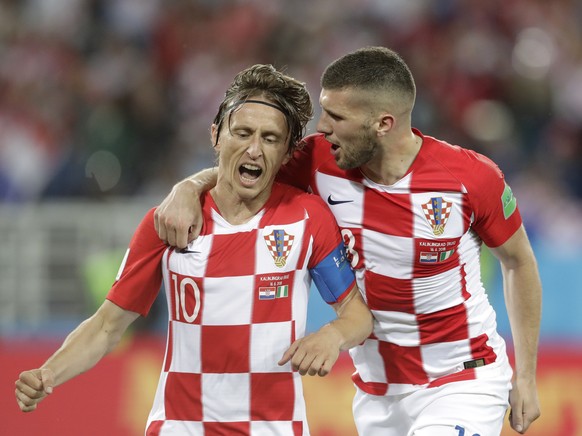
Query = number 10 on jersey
x=186 y=299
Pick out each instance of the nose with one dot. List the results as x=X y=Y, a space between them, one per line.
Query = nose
x=254 y=149
x=323 y=126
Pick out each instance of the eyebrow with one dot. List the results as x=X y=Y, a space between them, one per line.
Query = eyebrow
x=331 y=112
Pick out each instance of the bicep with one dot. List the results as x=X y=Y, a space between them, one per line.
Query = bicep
x=515 y=251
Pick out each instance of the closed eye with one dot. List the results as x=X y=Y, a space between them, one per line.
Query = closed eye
x=271 y=139
x=242 y=134
x=335 y=117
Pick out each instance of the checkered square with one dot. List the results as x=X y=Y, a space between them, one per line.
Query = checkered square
x=228 y=300
x=439 y=357
x=226 y=397
x=407 y=334
x=398 y=223
x=403 y=365
x=184 y=347
x=268 y=343
x=449 y=294
x=447 y=325
x=388 y=293
x=370 y=361
x=172 y=427
x=378 y=244
x=225 y=349
x=183 y=397
x=227 y=260
x=272 y=396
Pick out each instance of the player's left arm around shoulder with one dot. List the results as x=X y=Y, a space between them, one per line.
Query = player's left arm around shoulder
x=523 y=295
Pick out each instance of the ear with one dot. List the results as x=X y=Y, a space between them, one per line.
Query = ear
x=214 y=136
x=386 y=122
x=287 y=158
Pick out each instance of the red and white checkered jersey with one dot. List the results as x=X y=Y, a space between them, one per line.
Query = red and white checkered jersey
x=237 y=299
x=415 y=248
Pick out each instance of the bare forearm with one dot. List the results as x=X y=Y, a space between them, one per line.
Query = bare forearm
x=200 y=182
x=81 y=350
x=354 y=322
x=523 y=294
x=318 y=352
x=89 y=342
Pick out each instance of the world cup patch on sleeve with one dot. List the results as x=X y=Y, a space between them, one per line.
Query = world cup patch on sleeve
x=508 y=202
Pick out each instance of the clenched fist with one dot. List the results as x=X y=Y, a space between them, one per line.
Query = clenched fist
x=32 y=387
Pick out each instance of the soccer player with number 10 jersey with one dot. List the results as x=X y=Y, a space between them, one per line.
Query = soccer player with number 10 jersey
x=237 y=295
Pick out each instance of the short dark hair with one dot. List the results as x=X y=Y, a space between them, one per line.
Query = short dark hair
x=370 y=68
x=289 y=95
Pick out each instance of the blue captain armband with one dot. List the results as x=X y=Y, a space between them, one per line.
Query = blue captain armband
x=333 y=275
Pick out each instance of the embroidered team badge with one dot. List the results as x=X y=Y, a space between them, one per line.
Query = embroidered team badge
x=437 y=211
x=279 y=244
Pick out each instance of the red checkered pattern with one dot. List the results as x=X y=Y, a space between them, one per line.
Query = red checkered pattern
x=220 y=374
x=431 y=310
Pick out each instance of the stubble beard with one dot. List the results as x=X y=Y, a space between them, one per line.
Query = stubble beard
x=361 y=151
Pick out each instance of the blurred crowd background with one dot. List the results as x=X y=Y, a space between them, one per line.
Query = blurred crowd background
x=103 y=101
x=115 y=97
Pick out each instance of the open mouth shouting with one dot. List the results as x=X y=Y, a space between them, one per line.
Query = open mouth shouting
x=249 y=173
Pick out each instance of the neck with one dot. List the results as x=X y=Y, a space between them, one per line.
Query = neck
x=394 y=160
x=235 y=209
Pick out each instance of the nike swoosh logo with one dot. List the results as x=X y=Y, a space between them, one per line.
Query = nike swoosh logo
x=334 y=202
x=189 y=251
